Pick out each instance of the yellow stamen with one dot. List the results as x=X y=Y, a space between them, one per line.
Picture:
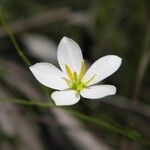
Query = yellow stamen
x=67 y=81
x=90 y=80
x=75 y=80
x=75 y=76
x=69 y=73
x=82 y=70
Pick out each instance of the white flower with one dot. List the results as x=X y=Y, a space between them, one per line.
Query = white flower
x=71 y=81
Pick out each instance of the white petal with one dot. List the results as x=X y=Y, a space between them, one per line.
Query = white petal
x=102 y=68
x=62 y=98
x=98 y=91
x=69 y=53
x=49 y=75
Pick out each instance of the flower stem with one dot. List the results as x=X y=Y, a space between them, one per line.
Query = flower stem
x=130 y=133
x=13 y=40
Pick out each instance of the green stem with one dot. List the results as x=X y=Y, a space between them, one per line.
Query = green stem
x=130 y=133
x=18 y=49
x=13 y=40
x=30 y=103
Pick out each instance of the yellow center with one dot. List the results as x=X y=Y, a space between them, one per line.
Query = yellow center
x=75 y=80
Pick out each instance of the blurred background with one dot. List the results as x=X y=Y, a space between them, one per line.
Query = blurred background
x=28 y=118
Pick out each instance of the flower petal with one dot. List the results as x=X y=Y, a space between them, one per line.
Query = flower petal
x=98 y=91
x=62 y=98
x=49 y=75
x=69 y=53
x=102 y=68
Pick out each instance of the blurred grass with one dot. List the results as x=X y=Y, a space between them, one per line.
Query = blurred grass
x=118 y=27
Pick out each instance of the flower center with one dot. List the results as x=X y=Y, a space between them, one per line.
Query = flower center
x=75 y=80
